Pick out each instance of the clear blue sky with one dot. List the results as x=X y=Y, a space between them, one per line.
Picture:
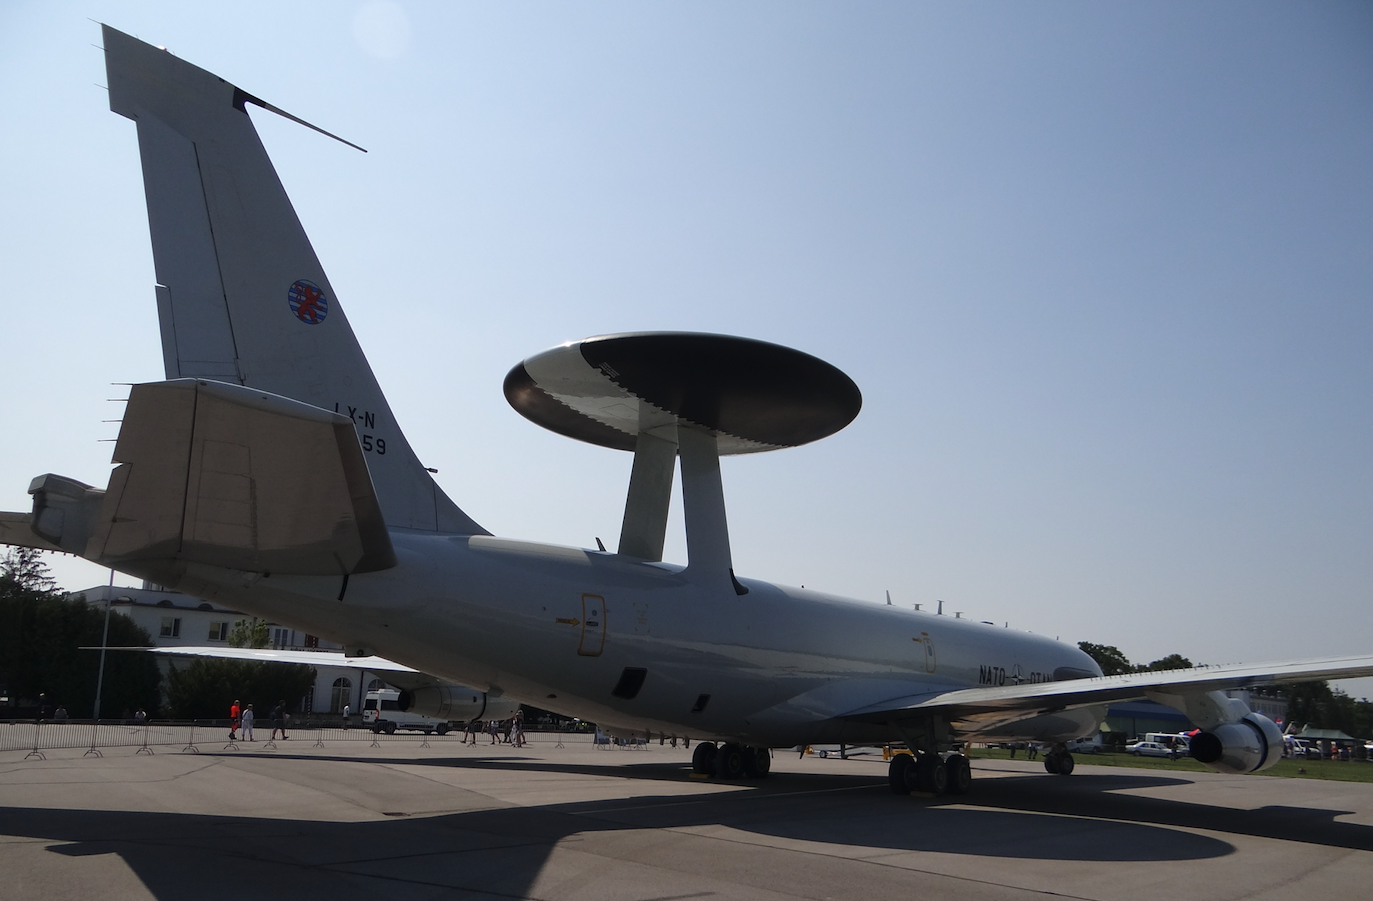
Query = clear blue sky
x=1104 y=273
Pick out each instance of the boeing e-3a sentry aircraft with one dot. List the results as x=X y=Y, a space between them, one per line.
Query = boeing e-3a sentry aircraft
x=268 y=473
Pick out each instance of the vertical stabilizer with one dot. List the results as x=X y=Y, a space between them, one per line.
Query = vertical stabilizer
x=241 y=296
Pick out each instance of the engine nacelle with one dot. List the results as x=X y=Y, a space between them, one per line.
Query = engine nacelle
x=1252 y=744
x=457 y=703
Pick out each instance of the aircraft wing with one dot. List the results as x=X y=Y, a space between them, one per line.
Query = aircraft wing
x=271 y=655
x=978 y=709
x=396 y=674
x=431 y=696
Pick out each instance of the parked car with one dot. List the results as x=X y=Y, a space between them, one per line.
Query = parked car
x=1086 y=745
x=1152 y=749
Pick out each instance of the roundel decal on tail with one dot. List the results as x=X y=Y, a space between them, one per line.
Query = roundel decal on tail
x=308 y=302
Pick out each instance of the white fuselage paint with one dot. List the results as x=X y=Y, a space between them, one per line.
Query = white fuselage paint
x=779 y=664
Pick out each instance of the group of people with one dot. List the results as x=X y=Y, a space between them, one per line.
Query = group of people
x=241 y=720
x=508 y=731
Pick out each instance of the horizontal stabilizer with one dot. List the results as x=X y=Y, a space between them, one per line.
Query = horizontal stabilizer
x=15 y=530
x=234 y=477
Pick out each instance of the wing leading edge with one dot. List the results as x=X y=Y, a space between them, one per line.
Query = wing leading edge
x=974 y=710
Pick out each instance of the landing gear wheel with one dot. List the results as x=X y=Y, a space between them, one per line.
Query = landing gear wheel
x=729 y=761
x=960 y=774
x=1060 y=763
x=703 y=759
x=931 y=774
x=757 y=762
x=901 y=774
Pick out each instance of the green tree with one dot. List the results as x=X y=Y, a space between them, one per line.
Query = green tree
x=1108 y=657
x=204 y=688
x=247 y=634
x=42 y=633
x=1172 y=661
x=1308 y=703
x=26 y=567
x=1316 y=704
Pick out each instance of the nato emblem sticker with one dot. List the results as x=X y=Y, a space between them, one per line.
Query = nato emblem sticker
x=308 y=302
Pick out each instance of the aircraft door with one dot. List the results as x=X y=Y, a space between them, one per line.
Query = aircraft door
x=928 y=647
x=593 y=626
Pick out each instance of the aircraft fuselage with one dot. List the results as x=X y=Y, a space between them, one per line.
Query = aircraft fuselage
x=559 y=627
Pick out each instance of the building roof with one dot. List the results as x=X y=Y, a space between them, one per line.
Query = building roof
x=1324 y=734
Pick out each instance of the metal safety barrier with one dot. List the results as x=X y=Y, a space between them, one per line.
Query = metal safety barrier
x=193 y=736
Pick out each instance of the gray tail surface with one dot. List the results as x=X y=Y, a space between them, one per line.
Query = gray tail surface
x=241 y=296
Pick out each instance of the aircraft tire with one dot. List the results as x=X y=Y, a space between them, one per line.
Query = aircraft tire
x=1065 y=764
x=703 y=758
x=932 y=775
x=757 y=762
x=1051 y=763
x=899 y=773
x=729 y=761
x=822 y=754
x=960 y=774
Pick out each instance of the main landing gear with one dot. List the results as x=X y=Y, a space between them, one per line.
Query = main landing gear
x=1058 y=761
x=929 y=773
x=730 y=761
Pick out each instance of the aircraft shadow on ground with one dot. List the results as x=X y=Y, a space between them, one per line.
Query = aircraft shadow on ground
x=1095 y=797
x=502 y=851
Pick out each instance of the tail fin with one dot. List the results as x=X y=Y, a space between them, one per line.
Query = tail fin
x=241 y=296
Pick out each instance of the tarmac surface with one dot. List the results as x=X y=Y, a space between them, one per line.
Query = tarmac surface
x=452 y=821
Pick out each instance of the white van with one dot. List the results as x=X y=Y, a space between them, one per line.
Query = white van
x=381 y=713
x=1179 y=740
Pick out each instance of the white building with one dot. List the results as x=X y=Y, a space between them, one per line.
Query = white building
x=177 y=620
x=1275 y=708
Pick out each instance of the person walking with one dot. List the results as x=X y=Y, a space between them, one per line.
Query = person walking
x=469 y=732
x=246 y=722
x=517 y=729
x=279 y=720
x=235 y=713
x=347 y=710
x=494 y=729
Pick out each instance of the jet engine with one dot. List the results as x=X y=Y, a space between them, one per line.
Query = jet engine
x=1253 y=743
x=457 y=703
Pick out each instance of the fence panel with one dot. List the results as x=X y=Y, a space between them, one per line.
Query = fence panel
x=194 y=736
